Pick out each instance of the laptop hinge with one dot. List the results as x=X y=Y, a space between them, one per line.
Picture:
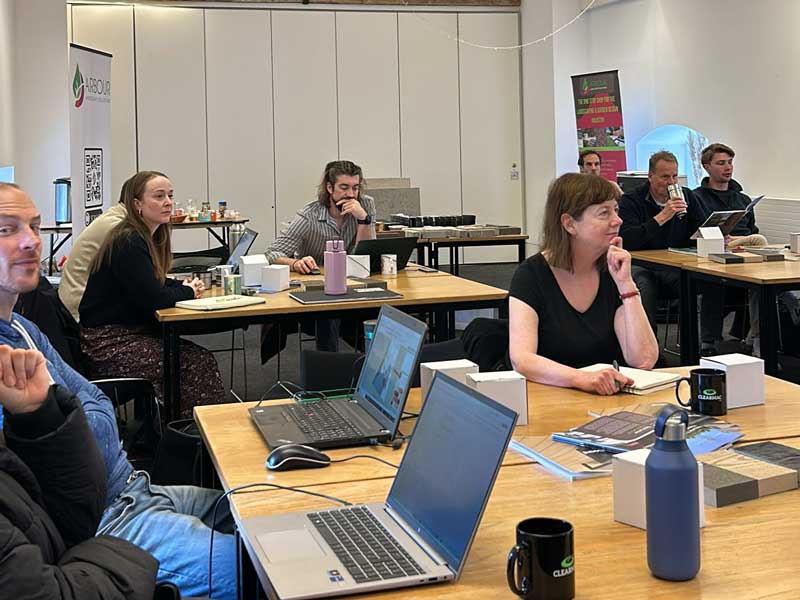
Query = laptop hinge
x=432 y=554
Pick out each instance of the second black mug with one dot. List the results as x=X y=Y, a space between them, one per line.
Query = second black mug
x=707 y=392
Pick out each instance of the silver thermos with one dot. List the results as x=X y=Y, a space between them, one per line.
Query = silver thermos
x=674 y=190
x=63 y=199
x=236 y=231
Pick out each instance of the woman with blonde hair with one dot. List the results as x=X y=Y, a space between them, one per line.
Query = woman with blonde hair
x=127 y=283
x=574 y=303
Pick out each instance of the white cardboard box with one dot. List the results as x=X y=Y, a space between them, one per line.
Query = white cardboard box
x=275 y=278
x=630 y=505
x=250 y=269
x=509 y=388
x=358 y=265
x=457 y=369
x=710 y=241
x=744 y=378
x=794 y=242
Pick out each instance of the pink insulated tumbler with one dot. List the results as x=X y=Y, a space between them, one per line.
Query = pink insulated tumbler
x=335 y=268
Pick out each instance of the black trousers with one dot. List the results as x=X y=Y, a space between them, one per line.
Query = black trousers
x=655 y=284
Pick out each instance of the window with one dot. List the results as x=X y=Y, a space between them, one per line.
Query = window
x=685 y=143
x=6 y=174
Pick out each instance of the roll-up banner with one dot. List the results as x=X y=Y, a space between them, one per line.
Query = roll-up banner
x=598 y=114
x=89 y=134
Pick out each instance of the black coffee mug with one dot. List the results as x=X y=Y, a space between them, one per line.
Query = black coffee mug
x=543 y=561
x=707 y=392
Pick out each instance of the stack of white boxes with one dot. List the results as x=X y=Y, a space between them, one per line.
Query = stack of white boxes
x=250 y=269
x=630 y=501
x=275 y=278
x=508 y=388
x=457 y=369
x=744 y=378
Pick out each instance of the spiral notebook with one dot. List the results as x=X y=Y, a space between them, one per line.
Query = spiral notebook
x=644 y=382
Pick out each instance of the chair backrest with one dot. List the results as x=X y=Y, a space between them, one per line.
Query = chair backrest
x=138 y=417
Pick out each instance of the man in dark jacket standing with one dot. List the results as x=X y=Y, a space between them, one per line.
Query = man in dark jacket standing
x=52 y=495
x=652 y=220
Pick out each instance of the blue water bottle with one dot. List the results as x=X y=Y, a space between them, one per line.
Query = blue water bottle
x=673 y=513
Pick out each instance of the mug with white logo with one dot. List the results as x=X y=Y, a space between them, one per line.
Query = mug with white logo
x=542 y=564
x=707 y=392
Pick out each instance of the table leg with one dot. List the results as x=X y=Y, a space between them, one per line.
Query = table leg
x=433 y=252
x=172 y=380
x=247 y=583
x=768 y=322
x=688 y=320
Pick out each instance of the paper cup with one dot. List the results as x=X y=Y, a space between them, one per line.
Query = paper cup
x=389 y=264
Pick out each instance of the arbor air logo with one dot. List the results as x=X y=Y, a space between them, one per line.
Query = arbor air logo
x=584 y=86
x=567 y=567
x=78 y=87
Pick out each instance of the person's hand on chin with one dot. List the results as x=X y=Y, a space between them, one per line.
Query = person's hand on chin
x=619 y=266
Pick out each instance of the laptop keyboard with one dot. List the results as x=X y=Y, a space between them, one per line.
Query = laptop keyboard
x=367 y=550
x=321 y=421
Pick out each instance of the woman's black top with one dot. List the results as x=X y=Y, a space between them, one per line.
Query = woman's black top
x=125 y=290
x=572 y=338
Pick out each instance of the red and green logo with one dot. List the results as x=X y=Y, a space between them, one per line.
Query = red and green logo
x=584 y=87
x=78 y=87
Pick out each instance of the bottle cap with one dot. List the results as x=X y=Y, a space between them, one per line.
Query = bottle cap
x=674 y=430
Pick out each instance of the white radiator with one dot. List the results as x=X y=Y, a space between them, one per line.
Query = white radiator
x=777 y=218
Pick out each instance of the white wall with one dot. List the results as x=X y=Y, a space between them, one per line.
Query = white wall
x=41 y=114
x=726 y=68
x=7 y=54
x=539 y=132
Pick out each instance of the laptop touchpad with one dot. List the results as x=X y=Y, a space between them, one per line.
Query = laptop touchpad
x=293 y=544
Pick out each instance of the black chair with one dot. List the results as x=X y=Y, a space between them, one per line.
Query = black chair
x=138 y=417
x=321 y=371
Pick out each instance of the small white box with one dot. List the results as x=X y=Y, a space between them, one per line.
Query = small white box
x=710 y=241
x=275 y=278
x=457 y=369
x=509 y=388
x=744 y=378
x=250 y=269
x=358 y=265
x=794 y=242
x=630 y=502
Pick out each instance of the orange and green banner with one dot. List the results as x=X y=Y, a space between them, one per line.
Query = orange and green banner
x=598 y=114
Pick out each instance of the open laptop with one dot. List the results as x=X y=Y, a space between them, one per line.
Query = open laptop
x=726 y=220
x=372 y=413
x=424 y=529
x=402 y=247
x=190 y=264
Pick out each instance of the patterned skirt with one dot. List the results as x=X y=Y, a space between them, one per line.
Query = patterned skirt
x=118 y=351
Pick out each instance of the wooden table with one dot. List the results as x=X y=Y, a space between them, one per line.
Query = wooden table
x=66 y=228
x=748 y=548
x=422 y=292
x=238 y=451
x=453 y=244
x=767 y=279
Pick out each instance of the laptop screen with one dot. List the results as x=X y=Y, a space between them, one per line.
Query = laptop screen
x=390 y=363
x=450 y=465
x=242 y=247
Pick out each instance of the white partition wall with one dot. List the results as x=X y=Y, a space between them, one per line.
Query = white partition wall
x=304 y=75
x=110 y=28
x=247 y=104
x=430 y=138
x=239 y=113
x=490 y=126
x=369 y=111
x=171 y=108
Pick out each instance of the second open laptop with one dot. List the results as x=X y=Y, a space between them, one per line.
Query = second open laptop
x=372 y=414
x=421 y=534
x=190 y=264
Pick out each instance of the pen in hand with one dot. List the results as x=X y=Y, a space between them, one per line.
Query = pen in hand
x=617 y=384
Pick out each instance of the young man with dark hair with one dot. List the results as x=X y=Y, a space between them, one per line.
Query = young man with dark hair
x=590 y=161
x=720 y=191
x=652 y=219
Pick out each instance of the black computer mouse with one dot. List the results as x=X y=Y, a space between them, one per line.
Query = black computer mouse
x=296 y=456
x=314 y=272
